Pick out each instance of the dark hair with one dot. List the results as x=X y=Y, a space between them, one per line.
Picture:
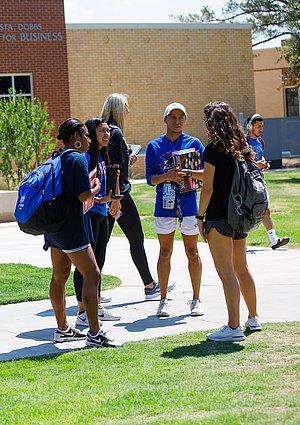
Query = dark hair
x=68 y=128
x=223 y=129
x=94 y=150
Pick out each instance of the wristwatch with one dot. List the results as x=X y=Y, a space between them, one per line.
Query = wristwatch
x=199 y=217
x=189 y=173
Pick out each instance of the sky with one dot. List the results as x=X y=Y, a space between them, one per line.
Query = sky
x=139 y=11
x=132 y=11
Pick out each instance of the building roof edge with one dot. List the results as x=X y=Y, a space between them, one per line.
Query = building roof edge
x=189 y=26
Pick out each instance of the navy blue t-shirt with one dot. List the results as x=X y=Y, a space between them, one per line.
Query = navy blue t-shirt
x=75 y=180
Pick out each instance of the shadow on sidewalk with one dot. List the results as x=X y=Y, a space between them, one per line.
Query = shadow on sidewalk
x=151 y=322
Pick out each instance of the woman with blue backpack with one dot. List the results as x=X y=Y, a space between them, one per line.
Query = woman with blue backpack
x=71 y=244
x=97 y=158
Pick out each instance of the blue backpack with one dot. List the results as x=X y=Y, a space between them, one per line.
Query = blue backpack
x=248 y=199
x=42 y=206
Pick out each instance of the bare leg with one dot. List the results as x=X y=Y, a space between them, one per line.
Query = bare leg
x=267 y=221
x=85 y=262
x=164 y=262
x=61 y=267
x=221 y=248
x=245 y=278
x=194 y=262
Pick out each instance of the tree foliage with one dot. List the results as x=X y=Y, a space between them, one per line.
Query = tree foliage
x=270 y=19
x=25 y=137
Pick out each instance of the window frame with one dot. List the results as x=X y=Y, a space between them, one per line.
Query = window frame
x=28 y=95
x=286 y=98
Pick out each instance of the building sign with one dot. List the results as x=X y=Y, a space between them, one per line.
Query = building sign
x=27 y=32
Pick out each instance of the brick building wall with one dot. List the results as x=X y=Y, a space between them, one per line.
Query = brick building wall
x=156 y=64
x=269 y=90
x=33 y=41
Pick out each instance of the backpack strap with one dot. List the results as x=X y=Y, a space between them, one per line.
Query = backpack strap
x=262 y=142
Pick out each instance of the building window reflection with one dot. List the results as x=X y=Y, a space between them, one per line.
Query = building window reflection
x=292 y=101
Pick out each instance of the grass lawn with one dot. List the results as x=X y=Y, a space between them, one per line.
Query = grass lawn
x=181 y=379
x=23 y=282
x=284 y=191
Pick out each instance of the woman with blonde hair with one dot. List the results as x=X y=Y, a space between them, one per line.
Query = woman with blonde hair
x=226 y=141
x=114 y=111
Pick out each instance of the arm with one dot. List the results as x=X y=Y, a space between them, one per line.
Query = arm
x=263 y=163
x=174 y=175
x=206 y=192
x=91 y=192
x=195 y=174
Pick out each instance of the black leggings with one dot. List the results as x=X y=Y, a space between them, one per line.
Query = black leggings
x=100 y=232
x=130 y=224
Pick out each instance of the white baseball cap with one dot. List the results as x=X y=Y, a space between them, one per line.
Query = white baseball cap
x=173 y=106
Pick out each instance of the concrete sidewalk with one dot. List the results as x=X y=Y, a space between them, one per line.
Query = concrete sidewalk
x=26 y=329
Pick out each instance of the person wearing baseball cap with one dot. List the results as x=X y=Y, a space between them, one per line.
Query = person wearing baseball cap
x=174 y=207
x=173 y=106
x=255 y=126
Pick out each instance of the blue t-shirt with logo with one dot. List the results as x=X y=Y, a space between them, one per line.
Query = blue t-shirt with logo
x=256 y=146
x=100 y=208
x=158 y=154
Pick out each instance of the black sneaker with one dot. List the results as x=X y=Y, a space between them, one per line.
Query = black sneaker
x=101 y=340
x=70 y=334
x=154 y=292
x=281 y=242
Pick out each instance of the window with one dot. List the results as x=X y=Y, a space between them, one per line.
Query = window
x=21 y=85
x=292 y=102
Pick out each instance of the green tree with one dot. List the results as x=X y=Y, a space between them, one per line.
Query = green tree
x=270 y=19
x=25 y=137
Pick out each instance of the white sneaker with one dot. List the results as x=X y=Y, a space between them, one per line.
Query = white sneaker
x=82 y=320
x=104 y=314
x=195 y=306
x=104 y=299
x=253 y=324
x=163 y=310
x=226 y=334
x=101 y=340
x=70 y=334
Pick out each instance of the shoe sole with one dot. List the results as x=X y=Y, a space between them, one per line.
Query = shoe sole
x=194 y=314
x=151 y=296
x=108 y=319
x=93 y=344
x=237 y=339
x=163 y=315
x=280 y=245
x=253 y=329
x=105 y=301
x=70 y=339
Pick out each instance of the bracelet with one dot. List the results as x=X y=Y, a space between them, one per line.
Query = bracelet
x=199 y=217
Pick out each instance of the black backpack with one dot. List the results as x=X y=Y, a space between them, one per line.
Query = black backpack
x=248 y=199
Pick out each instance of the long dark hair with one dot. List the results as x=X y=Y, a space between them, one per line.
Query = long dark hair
x=94 y=150
x=223 y=129
x=68 y=128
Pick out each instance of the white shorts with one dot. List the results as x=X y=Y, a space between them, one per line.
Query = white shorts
x=166 y=225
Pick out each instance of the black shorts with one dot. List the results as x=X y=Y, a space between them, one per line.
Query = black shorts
x=223 y=227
